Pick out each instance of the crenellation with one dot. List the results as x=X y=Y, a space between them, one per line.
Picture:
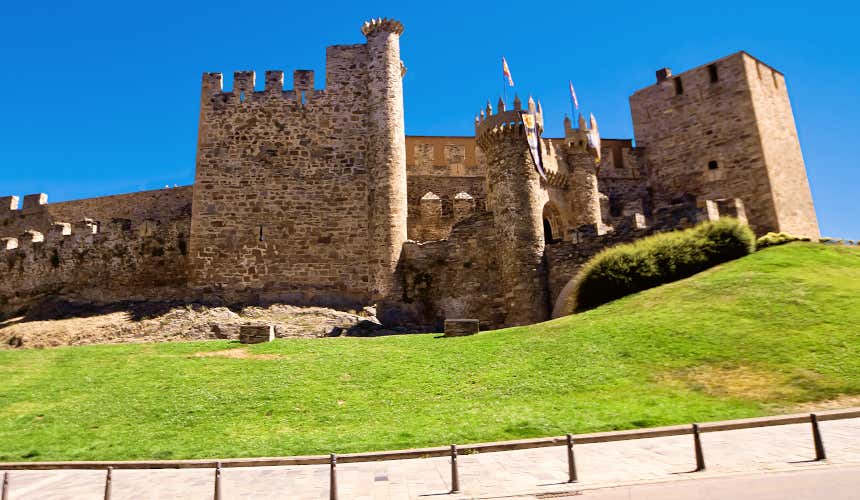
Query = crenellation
x=86 y=227
x=303 y=80
x=243 y=84
x=34 y=202
x=213 y=83
x=274 y=81
x=8 y=204
x=9 y=243
x=464 y=206
x=58 y=231
x=29 y=237
x=732 y=207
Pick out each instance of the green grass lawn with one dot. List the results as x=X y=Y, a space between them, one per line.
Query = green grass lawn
x=751 y=337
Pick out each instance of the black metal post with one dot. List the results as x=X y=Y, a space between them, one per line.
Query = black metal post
x=697 y=444
x=218 y=480
x=455 y=475
x=571 y=463
x=332 y=492
x=5 y=494
x=108 y=481
x=816 y=438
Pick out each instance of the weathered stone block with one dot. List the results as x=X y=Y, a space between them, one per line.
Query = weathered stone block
x=8 y=203
x=461 y=327
x=34 y=202
x=256 y=334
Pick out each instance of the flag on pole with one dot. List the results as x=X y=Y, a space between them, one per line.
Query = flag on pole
x=507 y=72
x=573 y=95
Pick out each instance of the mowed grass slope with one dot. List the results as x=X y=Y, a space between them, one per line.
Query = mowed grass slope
x=750 y=337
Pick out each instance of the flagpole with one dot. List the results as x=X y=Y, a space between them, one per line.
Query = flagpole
x=504 y=85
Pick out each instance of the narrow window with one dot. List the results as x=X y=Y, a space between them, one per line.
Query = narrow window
x=679 y=87
x=242 y=97
x=712 y=165
x=712 y=72
x=758 y=69
x=775 y=80
x=261 y=233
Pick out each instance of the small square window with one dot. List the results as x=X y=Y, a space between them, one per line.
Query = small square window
x=712 y=165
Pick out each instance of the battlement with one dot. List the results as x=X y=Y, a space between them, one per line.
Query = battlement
x=8 y=204
x=32 y=203
x=383 y=24
x=88 y=231
x=85 y=260
x=724 y=74
x=244 y=86
x=486 y=122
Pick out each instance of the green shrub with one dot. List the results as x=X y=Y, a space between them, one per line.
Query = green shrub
x=661 y=258
x=773 y=239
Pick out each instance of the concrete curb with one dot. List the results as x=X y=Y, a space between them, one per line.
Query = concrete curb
x=444 y=451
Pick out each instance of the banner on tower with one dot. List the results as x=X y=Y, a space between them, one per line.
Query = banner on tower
x=533 y=139
x=594 y=138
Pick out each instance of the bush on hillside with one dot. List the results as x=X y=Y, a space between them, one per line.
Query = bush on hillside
x=774 y=239
x=661 y=258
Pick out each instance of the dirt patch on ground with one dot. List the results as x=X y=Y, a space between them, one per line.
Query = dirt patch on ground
x=69 y=324
x=733 y=381
x=844 y=401
x=235 y=354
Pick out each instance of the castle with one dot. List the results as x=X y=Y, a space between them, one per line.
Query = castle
x=309 y=195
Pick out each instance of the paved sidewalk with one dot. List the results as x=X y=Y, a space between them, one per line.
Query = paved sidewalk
x=834 y=482
x=487 y=475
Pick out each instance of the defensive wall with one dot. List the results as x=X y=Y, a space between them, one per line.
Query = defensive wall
x=316 y=195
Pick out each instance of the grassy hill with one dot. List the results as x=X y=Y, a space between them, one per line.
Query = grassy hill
x=750 y=337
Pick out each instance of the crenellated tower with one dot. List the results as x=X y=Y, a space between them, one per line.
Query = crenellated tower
x=580 y=155
x=300 y=192
x=726 y=130
x=514 y=196
x=386 y=151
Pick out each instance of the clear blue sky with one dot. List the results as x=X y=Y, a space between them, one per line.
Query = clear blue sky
x=102 y=97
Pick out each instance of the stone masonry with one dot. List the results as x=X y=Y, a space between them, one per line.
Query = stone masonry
x=312 y=195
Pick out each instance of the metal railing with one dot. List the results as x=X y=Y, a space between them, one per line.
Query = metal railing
x=452 y=451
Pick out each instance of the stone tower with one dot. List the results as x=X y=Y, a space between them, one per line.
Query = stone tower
x=725 y=130
x=386 y=152
x=514 y=196
x=300 y=193
x=580 y=158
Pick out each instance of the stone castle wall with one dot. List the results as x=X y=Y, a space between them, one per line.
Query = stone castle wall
x=107 y=249
x=158 y=206
x=456 y=277
x=116 y=261
x=707 y=133
x=308 y=195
